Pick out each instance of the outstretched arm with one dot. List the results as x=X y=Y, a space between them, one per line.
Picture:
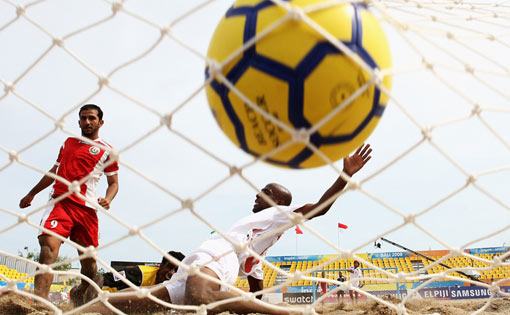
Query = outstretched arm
x=352 y=164
x=41 y=185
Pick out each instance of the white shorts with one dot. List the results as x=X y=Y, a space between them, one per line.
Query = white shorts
x=225 y=267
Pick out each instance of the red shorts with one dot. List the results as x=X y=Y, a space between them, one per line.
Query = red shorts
x=323 y=287
x=70 y=219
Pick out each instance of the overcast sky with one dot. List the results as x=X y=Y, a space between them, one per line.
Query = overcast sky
x=169 y=74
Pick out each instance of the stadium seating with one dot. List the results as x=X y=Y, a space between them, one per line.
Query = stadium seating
x=408 y=264
x=401 y=264
x=13 y=274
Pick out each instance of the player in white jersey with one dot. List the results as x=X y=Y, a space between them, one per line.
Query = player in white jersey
x=260 y=230
x=218 y=259
x=355 y=272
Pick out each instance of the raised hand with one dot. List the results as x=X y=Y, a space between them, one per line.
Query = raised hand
x=355 y=162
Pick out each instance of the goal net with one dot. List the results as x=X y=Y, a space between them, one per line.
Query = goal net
x=438 y=178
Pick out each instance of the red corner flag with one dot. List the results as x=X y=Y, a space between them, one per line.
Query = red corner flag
x=342 y=226
x=298 y=230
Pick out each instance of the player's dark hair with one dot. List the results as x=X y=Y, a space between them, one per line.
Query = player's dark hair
x=178 y=255
x=92 y=106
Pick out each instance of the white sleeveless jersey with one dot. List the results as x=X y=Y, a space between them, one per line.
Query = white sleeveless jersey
x=356 y=272
x=355 y=275
x=252 y=228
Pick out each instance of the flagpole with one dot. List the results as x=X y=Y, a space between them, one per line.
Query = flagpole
x=338 y=238
x=296 y=244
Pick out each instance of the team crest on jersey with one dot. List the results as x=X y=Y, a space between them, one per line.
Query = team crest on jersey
x=94 y=150
x=122 y=273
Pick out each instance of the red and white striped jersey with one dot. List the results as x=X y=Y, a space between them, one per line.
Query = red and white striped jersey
x=78 y=159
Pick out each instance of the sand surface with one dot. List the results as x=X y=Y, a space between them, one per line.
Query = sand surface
x=13 y=304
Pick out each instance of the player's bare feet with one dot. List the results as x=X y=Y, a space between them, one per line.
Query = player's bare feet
x=77 y=296
x=91 y=292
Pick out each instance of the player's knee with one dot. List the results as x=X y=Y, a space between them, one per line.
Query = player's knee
x=88 y=264
x=47 y=255
x=193 y=297
x=196 y=292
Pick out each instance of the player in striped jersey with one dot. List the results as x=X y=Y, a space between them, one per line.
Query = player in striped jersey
x=81 y=160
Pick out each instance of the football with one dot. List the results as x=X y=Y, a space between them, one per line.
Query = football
x=301 y=84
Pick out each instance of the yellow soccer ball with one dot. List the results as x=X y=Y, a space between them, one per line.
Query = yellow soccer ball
x=297 y=76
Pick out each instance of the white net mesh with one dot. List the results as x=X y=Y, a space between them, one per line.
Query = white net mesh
x=439 y=176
